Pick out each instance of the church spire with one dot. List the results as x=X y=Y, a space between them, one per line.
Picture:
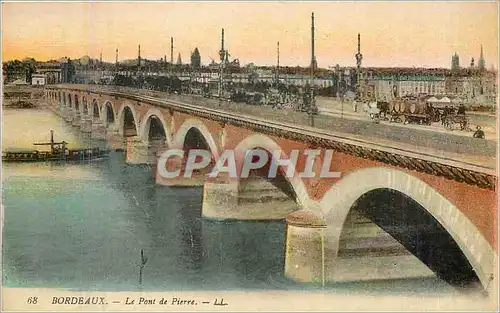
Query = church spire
x=482 y=63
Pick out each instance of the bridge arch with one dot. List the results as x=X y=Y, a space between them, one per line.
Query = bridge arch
x=257 y=141
x=85 y=108
x=154 y=120
x=127 y=119
x=338 y=201
x=77 y=104
x=95 y=109
x=108 y=113
x=187 y=126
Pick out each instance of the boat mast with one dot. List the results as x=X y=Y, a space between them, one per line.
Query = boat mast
x=51 y=141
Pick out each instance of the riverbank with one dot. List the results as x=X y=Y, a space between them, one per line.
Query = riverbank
x=21 y=97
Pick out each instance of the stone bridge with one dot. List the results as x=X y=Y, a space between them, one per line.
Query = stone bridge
x=442 y=207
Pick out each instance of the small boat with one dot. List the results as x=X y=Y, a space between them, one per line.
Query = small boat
x=58 y=152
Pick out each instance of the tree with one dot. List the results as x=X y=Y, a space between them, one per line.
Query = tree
x=196 y=59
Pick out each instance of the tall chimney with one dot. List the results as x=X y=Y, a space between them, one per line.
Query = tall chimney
x=116 y=57
x=222 y=42
x=222 y=52
x=278 y=63
x=359 y=43
x=139 y=57
x=171 y=50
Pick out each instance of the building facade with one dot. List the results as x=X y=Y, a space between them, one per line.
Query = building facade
x=470 y=86
x=38 y=79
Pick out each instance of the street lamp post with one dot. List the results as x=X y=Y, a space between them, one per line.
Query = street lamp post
x=342 y=110
x=222 y=54
x=311 y=110
x=339 y=93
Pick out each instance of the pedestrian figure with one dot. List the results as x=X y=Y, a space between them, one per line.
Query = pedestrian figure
x=478 y=133
x=461 y=109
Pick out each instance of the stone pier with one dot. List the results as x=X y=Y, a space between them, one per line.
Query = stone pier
x=86 y=124
x=136 y=151
x=220 y=197
x=77 y=119
x=173 y=164
x=115 y=140
x=98 y=130
x=306 y=257
x=68 y=114
x=252 y=199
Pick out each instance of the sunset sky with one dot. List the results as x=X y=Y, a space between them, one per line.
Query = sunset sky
x=392 y=33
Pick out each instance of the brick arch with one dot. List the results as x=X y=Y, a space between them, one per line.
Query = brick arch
x=77 y=104
x=121 y=117
x=94 y=103
x=146 y=123
x=104 y=111
x=181 y=133
x=338 y=201
x=264 y=142
x=85 y=108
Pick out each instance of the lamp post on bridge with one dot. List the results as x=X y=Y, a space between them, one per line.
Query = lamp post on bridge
x=312 y=109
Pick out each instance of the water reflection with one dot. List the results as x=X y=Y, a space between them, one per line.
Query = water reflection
x=21 y=128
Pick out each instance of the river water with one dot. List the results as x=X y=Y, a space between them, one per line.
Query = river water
x=82 y=227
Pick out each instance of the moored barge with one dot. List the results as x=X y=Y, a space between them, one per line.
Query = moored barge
x=58 y=152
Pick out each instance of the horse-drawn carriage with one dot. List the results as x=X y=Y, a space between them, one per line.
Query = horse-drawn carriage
x=412 y=111
x=417 y=111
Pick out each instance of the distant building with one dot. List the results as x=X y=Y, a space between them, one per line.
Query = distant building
x=482 y=62
x=67 y=70
x=51 y=69
x=196 y=59
x=470 y=85
x=473 y=85
x=385 y=84
x=38 y=79
x=455 y=62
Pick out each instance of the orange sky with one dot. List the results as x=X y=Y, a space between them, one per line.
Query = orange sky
x=392 y=33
